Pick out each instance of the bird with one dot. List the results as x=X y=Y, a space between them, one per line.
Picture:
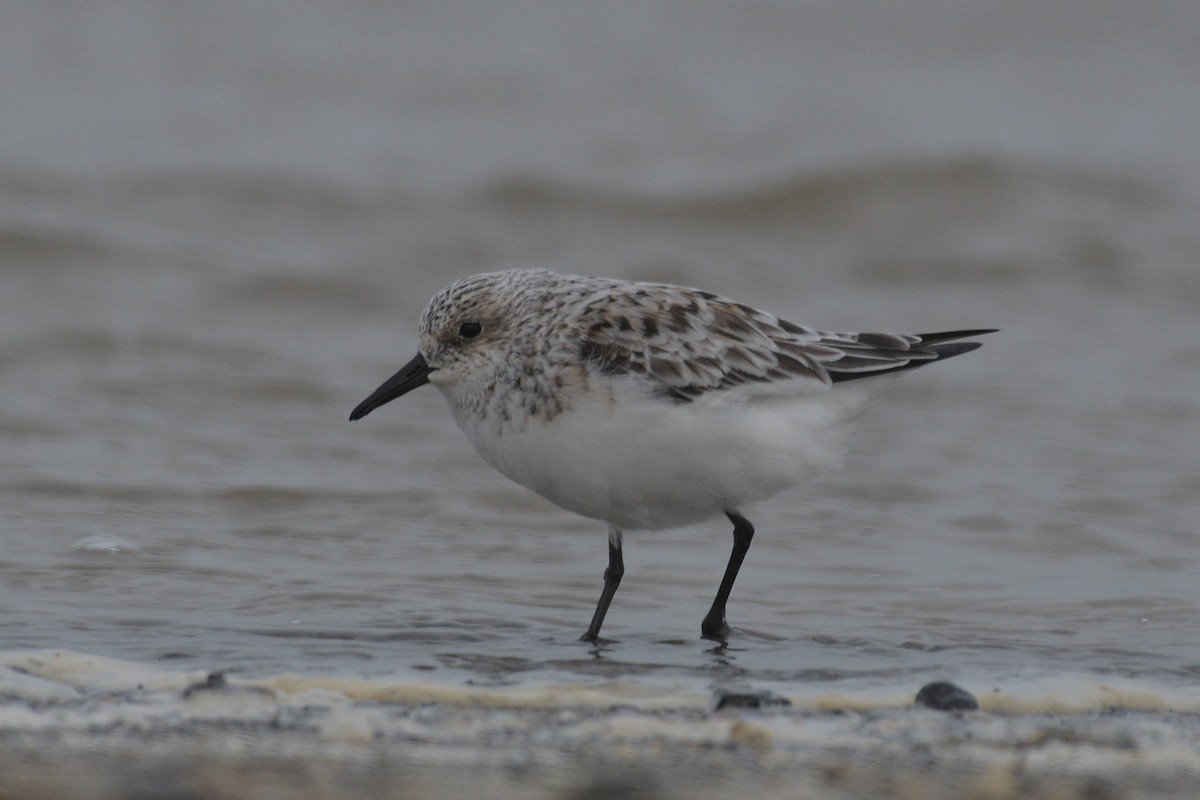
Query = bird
x=647 y=406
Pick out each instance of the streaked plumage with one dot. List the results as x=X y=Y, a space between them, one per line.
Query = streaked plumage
x=645 y=405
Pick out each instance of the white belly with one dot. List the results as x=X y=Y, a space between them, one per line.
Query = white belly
x=641 y=463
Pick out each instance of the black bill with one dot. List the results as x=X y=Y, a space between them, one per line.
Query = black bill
x=413 y=374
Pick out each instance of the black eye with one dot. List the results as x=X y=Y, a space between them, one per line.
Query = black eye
x=469 y=330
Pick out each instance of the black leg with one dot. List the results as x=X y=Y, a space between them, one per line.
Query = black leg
x=713 y=626
x=612 y=579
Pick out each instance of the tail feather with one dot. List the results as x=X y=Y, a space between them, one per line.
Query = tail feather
x=946 y=336
x=930 y=347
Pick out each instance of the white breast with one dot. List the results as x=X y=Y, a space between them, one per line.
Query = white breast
x=639 y=462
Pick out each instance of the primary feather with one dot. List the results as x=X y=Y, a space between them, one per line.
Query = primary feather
x=690 y=343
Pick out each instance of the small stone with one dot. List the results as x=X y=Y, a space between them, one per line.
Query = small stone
x=215 y=680
x=723 y=699
x=945 y=696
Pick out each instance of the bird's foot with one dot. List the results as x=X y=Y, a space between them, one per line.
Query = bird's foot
x=715 y=629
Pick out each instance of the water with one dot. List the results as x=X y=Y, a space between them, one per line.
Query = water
x=218 y=226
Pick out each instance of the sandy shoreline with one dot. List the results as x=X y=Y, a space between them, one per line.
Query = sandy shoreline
x=239 y=742
x=84 y=726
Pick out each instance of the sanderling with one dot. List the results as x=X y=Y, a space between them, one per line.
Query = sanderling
x=645 y=405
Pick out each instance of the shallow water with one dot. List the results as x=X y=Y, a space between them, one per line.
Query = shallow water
x=218 y=227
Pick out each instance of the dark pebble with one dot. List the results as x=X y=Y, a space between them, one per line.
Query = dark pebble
x=945 y=696
x=726 y=699
x=215 y=680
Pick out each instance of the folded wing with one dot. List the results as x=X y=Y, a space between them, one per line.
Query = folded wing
x=686 y=343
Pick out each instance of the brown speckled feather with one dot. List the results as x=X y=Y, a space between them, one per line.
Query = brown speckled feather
x=689 y=343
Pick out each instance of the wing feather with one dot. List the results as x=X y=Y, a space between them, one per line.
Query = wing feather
x=685 y=344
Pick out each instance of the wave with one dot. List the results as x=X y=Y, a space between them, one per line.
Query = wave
x=828 y=193
x=973 y=219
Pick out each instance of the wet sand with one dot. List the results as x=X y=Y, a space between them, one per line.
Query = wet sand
x=569 y=753
x=158 y=734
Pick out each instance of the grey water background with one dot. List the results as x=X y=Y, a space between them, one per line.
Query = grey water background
x=219 y=223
